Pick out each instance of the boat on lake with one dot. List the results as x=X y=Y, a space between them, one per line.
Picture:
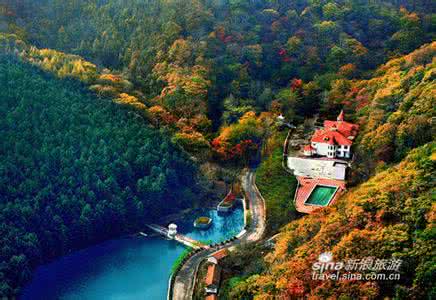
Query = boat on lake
x=226 y=205
x=203 y=222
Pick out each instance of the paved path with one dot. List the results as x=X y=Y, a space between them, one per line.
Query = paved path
x=183 y=288
x=256 y=207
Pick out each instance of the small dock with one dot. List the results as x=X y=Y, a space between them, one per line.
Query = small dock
x=187 y=241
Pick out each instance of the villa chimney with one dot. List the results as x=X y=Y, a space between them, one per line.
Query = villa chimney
x=341 y=116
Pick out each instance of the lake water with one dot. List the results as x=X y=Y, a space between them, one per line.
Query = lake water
x=124 y=269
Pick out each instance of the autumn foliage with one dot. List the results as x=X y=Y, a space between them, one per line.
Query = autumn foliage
x=240 y=140
x=391 y=215
x=394 y=108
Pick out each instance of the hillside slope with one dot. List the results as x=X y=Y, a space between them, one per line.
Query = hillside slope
x=245 y=52
x=75 y=170
x=394 y=109
x=392 y=215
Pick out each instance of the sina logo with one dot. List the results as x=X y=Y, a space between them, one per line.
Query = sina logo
x=325 y=263
x=325 y=257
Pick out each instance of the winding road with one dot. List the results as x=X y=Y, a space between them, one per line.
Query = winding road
x=183 y=288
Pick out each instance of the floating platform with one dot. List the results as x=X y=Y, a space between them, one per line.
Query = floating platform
x=203 y=222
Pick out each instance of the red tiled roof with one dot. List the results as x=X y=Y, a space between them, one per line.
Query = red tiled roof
x=213 y=275
x=212 y=297
x=330 y=137
x=308 y=148
x=230 y=197
x=345 y=128
x=221 y=254
x=336 y=132
x=305 y=187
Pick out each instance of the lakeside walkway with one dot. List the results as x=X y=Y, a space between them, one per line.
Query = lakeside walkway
x=187 y=241
x=184 y=282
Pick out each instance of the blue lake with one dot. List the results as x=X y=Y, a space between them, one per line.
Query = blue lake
x=125 y=269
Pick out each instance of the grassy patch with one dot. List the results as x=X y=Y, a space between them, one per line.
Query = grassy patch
x=180 y=260
x=278 y=188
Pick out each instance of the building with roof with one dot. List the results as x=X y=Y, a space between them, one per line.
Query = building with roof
x=321 y=173
x=214 y=258
x=213 y=278
x=334 y=140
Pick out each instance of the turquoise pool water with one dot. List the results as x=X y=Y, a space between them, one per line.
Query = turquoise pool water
x=321 y=195
x=224 y=225
x=124 y=269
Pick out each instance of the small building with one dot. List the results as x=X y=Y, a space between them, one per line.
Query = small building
x=213 y=278
x=217 y=256
x=211 y=297
x=281 y=119
x=172 y=231
x=227 y=204
x=334 y=140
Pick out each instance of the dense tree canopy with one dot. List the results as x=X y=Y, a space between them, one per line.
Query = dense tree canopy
x=79 y=163
x=395 y=109
x=181 y=52
x=390 y=215
x=76 y=169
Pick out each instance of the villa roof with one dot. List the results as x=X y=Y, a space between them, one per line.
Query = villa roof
x=330 y=137
x=341 y=116
x=345 y=128
x=212 y=297
x=305 y=187
x=213 y=275
x=308 y=148
x=337 y=132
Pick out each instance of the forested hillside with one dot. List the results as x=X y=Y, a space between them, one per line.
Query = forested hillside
x=100 y=98
x=75 y=170
x=227 y=57
x=390 y=215
x=395 y=109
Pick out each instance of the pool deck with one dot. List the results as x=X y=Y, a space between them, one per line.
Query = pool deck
x=305 y=188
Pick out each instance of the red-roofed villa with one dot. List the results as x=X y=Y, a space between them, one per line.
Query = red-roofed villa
x=334 y=140
x=321 y=180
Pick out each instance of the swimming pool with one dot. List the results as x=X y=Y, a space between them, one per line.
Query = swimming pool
x=321 y=195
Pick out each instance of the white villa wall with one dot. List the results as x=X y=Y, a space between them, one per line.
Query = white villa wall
x=343 y=151
x=316 y=168
x=324 y=149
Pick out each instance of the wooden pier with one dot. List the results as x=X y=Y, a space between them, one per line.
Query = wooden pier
x=187 y=241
